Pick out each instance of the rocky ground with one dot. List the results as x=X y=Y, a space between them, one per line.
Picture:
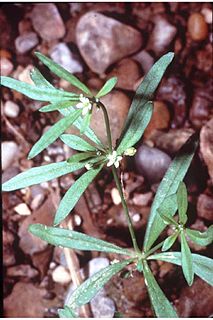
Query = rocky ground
x=124 y=40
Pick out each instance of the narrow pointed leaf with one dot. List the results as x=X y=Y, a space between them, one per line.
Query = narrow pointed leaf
x=39 y=79
x=182 y=202
x=76 y=143
x=186 y=260
x=88 y=289
x=73 y=194
x=62 y=73
x=59 y=105
x=168 y=220
x=53 y=133
x=74 y=240
x=34 y=92
x=67 y=313
x=107 y=87
x=167 y=187
x=40 y=174
x=85 y=122
x=168 y=243
x=80 y=156
x=201 y=238
x=160 y=304
x=141 y=107
x=203 y=266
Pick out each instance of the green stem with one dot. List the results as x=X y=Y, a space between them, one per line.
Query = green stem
x=158 y=246
x=106 y=118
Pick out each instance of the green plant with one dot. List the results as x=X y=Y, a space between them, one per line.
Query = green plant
x=171 y=194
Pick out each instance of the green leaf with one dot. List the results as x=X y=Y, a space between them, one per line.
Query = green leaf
x=85 y=122
x=62 y=73
x=167 y=209
x=66 y=313
x=182 y=202
x=107 y=87
x=58 y=105
x=73 y=194
x=33 y=92
x=88 y=289
x=40 y=174
x=81 y=156
x=53 y=133
x=167 y=187
x=137 y=127
x=168 y=243
x=74 y=240
x=76 y=143
x=39 y=79
x=201 y=238
x=160 y=304
x=186 y=260
x=203 y=266
x=141 y=109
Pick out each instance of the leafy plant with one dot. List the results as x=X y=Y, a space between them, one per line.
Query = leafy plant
x=76 y=110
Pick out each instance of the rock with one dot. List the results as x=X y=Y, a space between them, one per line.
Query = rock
x=205 y=207
x=102 y=306
x=25 y=26
x=22 y=270
x=23 y=295
x=96 y=265
x=115 y=196
x=22 y=209
x=172 y=90
x=29 y=243
x=6 y=66
x=26 y=42
x=61 y=54
x=127 y=72
x=11 y=109
x=9 y=151
x=38 y=195
x=117 y=104
x=9 y=173
x=47 y=21
x=152 y=163
x=204 y=61
x=145 y=59
x=201 y=105
x=41 y=260
x=103 y=40
x=61 y=275
x=142 y=199
x=197 y=27
x=207 y=14
x=24 y=75
x=206 y=143
x=190 y=304
x=160 y=119
x=8 y=251
x=162 y=35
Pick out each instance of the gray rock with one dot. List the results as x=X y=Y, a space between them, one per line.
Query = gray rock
x=152 y=163
x=162 y=35
x=11 y=109
x=103 y=41
x=9 y=151
x=47 y=21
x=6 y=66
x=61 y=54
x=26 y=42
x=145 y=59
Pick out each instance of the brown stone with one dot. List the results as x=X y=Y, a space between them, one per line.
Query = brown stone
x=206 y=146
x=197 y=27
x=22 y=270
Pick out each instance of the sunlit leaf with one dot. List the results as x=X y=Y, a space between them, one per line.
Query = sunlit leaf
x=107 y=87
x=201 y=238
x=182 y=202
x=160 y=304
x=59 y=105
x=168 y=243
x=76 y=143
x=85 y=122
x=186 y=260
x=67 y=313
x=80 y=156
x=39 y=79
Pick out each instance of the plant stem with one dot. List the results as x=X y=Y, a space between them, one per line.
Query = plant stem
x=126 y=210
x=159 y=245
x=106 y=118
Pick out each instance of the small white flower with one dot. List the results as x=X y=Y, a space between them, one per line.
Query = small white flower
x=88 y=166
x=113 y=159
x=84 y=104
x=114 y=261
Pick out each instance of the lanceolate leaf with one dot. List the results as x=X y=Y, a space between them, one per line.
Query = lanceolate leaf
x=81 y=156
x=66 y=313
x=203 y=266
x=168 y=243
x=182 y=202
x=186 y=260
x=76 y=143
x=39 y=174
x=34 y=92
x=201 y=238
x=73 y=194
x=167 y=187
x=53 y=133
x=108 y=86
x=59 y=105
x=74 y=240
x=160 y=304
x=141 y=103
x=88 y=289
x=85 y=122
x=39 y=79
x=62 y=73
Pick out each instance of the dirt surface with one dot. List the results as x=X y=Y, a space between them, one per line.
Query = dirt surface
x=134 y=36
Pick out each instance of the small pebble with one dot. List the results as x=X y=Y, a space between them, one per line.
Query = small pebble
x=9 y=151
x=115 y=196
x=142 y=199
x=11 y=109
x=26 y=42
x=77 y=220
x=22 y=209
x=61 y=275
x=207 y=13
x=6 y=66
x=24 y=75
x=197 y=27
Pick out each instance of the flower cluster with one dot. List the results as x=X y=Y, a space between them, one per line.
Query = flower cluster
x=84 y=104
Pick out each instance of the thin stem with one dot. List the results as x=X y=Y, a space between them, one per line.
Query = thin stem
x=158 y=246
x=106 y=118
x=126 y=210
